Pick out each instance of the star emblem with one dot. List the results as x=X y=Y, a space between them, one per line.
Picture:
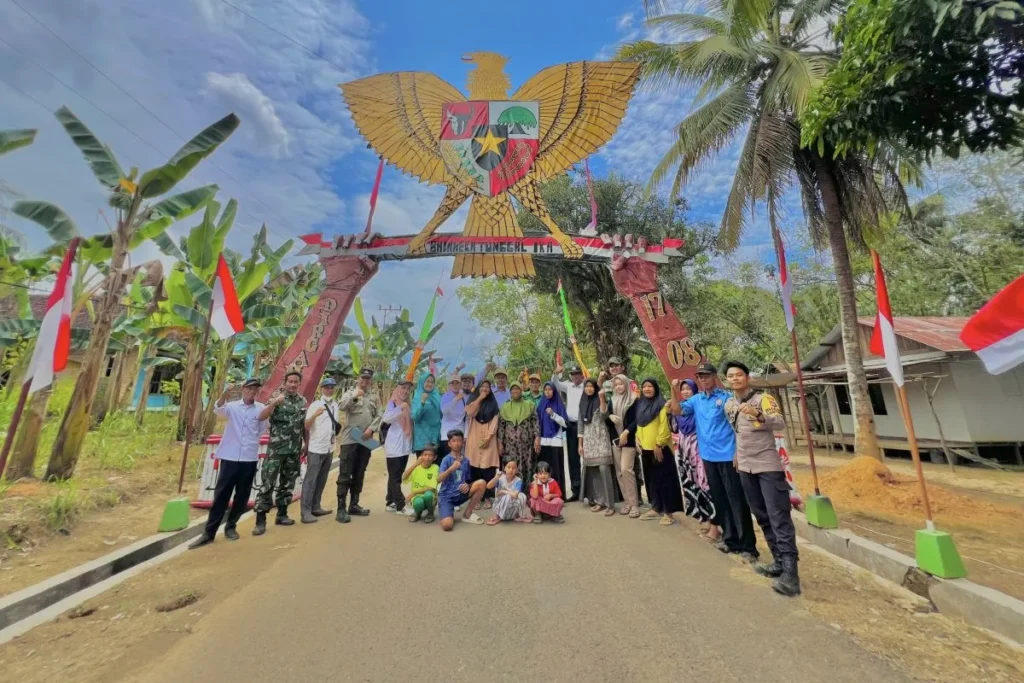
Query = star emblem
x=490 y=143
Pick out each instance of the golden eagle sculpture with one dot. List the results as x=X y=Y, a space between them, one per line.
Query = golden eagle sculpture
x=491 y=145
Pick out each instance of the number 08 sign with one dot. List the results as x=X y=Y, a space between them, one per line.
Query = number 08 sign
x=637 y=280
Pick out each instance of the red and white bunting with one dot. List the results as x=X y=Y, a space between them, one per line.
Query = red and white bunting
x=226 y=317
x=883 y=341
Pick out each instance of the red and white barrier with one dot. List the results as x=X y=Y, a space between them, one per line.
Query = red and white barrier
x=211 y=469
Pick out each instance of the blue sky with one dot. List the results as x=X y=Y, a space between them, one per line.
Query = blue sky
x=297 y=163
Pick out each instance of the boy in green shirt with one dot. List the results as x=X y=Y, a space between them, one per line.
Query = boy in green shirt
x=421 y=476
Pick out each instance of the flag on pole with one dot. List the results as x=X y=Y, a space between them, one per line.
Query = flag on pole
x=432 y=367
x=428 y=322
x=569 y=331
x=374 y=192
x=558 y=358
x=883 y=341
x=226 y=316
x=784 y=283
x=996 y=331
x=591 y=228
x=53 y=343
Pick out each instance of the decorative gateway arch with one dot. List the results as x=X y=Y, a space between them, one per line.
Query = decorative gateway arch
x=487 y=149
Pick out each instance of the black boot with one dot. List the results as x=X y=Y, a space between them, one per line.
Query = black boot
x=230 y=533
x=772 y=571
x=789 y=583
x=282 y=517
x=261 y=524
x=342 y=516
x=204 y=539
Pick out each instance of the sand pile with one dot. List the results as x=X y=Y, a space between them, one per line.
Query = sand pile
x=868 y=485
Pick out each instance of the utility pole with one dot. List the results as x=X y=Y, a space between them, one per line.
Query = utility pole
x=388 y=309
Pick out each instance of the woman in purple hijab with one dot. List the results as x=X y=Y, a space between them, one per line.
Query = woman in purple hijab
x=552 y=417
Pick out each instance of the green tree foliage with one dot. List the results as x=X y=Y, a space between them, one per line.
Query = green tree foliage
x=934 y=74
x=600 y=315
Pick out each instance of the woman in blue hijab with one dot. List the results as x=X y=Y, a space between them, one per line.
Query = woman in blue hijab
x=552 y=417
x=426 y=415
x=696 y=496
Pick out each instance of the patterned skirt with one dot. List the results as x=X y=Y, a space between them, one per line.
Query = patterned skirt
x=508 y=508
x=547 y=507
x=696 y=496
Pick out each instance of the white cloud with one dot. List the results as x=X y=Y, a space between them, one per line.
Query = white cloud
x=625 y=22
x=263 y=125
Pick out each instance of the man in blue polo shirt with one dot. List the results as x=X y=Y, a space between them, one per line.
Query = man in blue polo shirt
x=716 y=442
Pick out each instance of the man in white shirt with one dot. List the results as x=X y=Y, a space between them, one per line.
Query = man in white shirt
x=573 y=391
x=322 y=423
x=238 y=454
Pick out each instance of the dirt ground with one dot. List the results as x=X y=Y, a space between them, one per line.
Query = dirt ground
x=108 y=509
x=982 y=508
x=124 y=630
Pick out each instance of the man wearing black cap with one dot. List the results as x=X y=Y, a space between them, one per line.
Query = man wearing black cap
x=716 y=443
x=323 y=426
x=573 y=391
x=361 y=408
x=238 y=453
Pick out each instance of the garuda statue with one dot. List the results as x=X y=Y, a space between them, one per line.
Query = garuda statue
x=491 y=145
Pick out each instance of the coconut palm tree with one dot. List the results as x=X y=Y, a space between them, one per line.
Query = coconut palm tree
x=754 y=63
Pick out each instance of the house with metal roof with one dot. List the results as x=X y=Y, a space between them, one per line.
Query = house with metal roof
x=959 y=410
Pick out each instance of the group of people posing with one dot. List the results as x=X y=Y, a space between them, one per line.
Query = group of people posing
x=702 y=451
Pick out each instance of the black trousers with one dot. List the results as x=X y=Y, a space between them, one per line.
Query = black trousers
x=768 y=496
x=484 y=474
x=396 y=468
x=552 y=455
x=232 y=477
x=731 y=511
x=572 y=435
x=647 y=464
x=352 y=464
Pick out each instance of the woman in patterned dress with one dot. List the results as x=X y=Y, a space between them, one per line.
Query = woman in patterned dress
x=519 y=433
x=696 y=495
x=596 y=451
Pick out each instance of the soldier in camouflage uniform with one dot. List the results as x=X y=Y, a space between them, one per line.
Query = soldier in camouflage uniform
x=287 y=414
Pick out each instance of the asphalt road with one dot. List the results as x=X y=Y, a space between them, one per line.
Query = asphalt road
x=596 y=599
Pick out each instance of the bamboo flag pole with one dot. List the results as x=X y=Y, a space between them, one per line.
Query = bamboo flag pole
x=915 y=453
x=190 y=426
x=19 y=408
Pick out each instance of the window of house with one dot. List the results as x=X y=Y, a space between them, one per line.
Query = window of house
x=163 y=373
x=877 y=399
x=110 y=366
x=843 y=400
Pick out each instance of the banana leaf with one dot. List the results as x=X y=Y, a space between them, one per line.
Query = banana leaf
x=99 y=157
x=160 y=180
x=11 y=140
x=51 y=217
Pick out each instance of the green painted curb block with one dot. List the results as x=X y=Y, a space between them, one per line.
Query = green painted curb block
x=175 y=516
x=936 y=554
x=820 y=512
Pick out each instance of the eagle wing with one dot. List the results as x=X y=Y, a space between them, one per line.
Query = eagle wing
x=400 y=115
x=581 y=107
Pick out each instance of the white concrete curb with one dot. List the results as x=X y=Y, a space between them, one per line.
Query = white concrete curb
x=975 y=604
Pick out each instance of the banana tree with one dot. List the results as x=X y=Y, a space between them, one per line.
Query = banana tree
x=384 y=348
x=137 y=221
x=11 y=140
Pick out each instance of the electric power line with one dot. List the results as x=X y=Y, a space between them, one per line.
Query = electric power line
x=95 y=106
x=144 y=108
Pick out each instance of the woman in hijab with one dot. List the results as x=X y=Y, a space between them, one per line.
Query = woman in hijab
x=697 y=497
x=398 y=443
x=552 y=418
x=518 y=433
x=481 y=437
x=426 y=415
x=596 y=451
x=654 y=439
x=623 y=421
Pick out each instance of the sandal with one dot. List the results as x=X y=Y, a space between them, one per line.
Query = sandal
x=473 y=519
x=667 y=520
x=538 y=520
x=634 y=513
x=609 y=512
x=624 y=510
x=488 y=505
x=524 y=520
x=493 y=521
x=596 y=507
x=650 y=516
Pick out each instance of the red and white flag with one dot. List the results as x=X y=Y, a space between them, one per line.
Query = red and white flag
x=883 y=341
x=784 y=283
x=53 y=343
x=226 y=317
x=996 y=332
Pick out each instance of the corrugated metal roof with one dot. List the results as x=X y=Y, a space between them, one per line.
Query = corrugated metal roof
x=939 y=333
